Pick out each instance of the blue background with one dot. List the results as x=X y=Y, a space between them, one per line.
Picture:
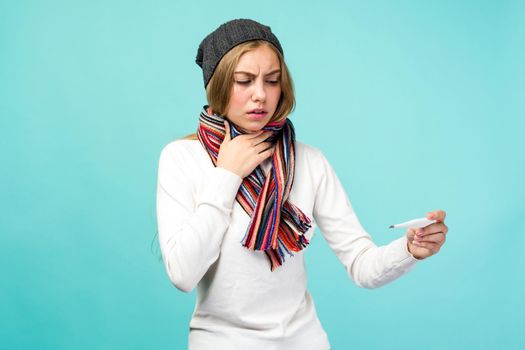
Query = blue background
x=418 y=105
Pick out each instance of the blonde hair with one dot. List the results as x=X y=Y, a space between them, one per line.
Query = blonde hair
x=220 y=86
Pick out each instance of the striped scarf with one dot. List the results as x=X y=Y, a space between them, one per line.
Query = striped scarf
x=276 y=225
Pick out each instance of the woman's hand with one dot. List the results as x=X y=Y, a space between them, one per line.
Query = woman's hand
x=426 y=241
x=242 y=154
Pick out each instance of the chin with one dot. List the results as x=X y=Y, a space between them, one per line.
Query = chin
x=254 y=126
x=253 y=130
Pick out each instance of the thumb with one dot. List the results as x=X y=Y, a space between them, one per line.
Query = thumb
x=410 y=234
x=227 y=136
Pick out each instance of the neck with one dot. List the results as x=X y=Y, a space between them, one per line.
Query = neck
x=236 y=130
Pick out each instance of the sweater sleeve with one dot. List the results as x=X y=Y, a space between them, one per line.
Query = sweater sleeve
x=368 y=265
x=191 y=229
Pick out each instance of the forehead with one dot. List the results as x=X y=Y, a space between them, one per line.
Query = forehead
x=261 y=58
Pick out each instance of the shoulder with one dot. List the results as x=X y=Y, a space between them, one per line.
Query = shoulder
x=176 y=170
x=310 y=153
x=178 y=146
x=179 y=150
x=311 y=162
x=181 y=157
x=315 y=160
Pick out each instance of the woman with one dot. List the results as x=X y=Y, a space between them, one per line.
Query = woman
x=238 y=202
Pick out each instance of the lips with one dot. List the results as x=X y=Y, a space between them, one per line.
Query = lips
x=258 y=111
x=257 y=114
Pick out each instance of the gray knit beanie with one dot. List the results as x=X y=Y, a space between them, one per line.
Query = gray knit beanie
x=225 y=37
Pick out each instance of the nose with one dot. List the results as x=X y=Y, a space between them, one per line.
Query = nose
x=259 y=93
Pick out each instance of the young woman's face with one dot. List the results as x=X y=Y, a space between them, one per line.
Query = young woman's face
x=256 y=89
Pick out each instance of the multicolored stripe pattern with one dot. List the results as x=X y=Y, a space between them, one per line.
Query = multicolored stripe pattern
x=277 y=226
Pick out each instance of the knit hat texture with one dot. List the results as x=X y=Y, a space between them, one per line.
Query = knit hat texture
x=228 y=35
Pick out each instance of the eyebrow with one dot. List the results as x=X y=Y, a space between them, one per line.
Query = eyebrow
x=252 y=75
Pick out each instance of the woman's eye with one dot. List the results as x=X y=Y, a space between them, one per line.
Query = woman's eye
x=243 y=81
x=273 y=82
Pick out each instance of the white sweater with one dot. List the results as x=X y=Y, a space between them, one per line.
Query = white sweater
x=241 y=304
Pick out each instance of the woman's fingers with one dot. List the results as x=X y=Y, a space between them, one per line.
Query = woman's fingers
x=227 y=136
x=427 y=241
x=254 y=136
x=245 y=152
x=261 y=137
x=267 y=153
x=438 y=215
x=411 y=233
x=262 y=146
x=432 y=238
x=430 y=229
x=433 y=247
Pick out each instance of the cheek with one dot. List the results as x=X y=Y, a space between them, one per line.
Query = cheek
x=276 y=94
x=238 y=97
